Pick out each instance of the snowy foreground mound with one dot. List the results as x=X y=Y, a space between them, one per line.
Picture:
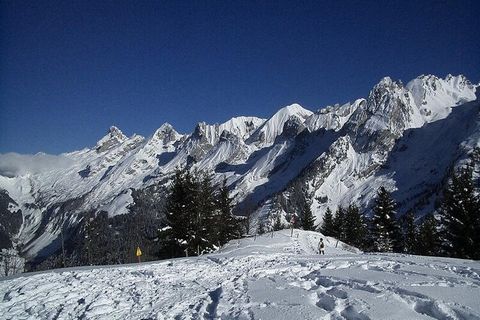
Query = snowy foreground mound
x=263 y=278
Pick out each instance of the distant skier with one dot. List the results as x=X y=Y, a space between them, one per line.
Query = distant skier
x=321 y=247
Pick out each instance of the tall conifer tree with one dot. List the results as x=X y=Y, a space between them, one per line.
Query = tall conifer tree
x=410 y=233
x=460 y=216
x=206 y=234
x=355 y=228
x=308 y=220
x=428 y=240
x=229 y=227
x=328 y=227
x=384 y=222
x=174 y=237
x=339 y=224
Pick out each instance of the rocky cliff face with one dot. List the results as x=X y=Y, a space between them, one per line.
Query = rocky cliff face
x=403 y=137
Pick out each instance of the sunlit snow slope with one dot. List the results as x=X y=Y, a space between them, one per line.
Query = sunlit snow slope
x=279 y=277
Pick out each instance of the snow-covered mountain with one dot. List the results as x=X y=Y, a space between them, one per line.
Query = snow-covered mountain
x=279 y=277
x=405 y=138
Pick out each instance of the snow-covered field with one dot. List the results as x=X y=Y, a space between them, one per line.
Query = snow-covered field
x=263 y=278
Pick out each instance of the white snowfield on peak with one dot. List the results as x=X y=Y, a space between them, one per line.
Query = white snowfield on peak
x=267 y=277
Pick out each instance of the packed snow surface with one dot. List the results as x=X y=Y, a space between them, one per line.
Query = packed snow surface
x=279 y=277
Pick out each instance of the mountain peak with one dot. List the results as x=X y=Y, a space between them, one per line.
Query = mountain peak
x=294 y=108
x=113 y=137
x=273 y=127
x=459 y=81
x=429 y=76
x=166 y=133
x=432 y=80
x=386 y=81
x=199 y=129
x=241 y=126
x=166 y=128
x=114 y=129
x=383 y=91
x=286 y=112
x=435 y=96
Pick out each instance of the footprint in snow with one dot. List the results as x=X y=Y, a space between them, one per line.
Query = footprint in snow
x=326 y=302
x=338 y=293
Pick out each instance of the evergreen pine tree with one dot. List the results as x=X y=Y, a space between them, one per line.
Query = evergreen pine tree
x=186 y=233
x=229 y=227
x=369 y=244
x=198 y=217
x=173 y=236
x=207 y=214
x=89 y=238
x=355 y=228
x=460 y=216
x=339 y=224
x=328 y=227
x=410 y=233
x=308 y=220
x=193 y=212
x=428 y=239
x=384 y=222
x=398 y=240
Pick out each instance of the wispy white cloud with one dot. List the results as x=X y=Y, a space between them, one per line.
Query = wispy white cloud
x=14 y=164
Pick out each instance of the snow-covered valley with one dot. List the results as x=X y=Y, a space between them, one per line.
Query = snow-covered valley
x=279 y=277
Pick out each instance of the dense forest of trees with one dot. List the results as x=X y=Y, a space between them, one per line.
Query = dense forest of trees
x=199 y=217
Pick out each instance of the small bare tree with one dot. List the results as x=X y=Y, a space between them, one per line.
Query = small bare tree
x=10 y=262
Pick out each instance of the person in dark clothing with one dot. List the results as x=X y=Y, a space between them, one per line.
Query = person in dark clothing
x=321 y=247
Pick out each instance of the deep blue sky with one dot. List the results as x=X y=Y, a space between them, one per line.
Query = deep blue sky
x=70 y=69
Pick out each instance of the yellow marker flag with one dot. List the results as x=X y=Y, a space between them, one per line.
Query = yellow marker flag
x=139 y=252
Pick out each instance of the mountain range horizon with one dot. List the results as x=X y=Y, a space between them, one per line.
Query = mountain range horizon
x=115 y=127
x=406 y=138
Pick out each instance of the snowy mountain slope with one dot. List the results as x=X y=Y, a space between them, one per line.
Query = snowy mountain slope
x=339 y=154
x=444 y=143
x=283 y=163
x=273 y=127
x=332 y=117
x=435 y=97
x=347 y=172
x=241 y=127
x=279 y=277
x=415 y=168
